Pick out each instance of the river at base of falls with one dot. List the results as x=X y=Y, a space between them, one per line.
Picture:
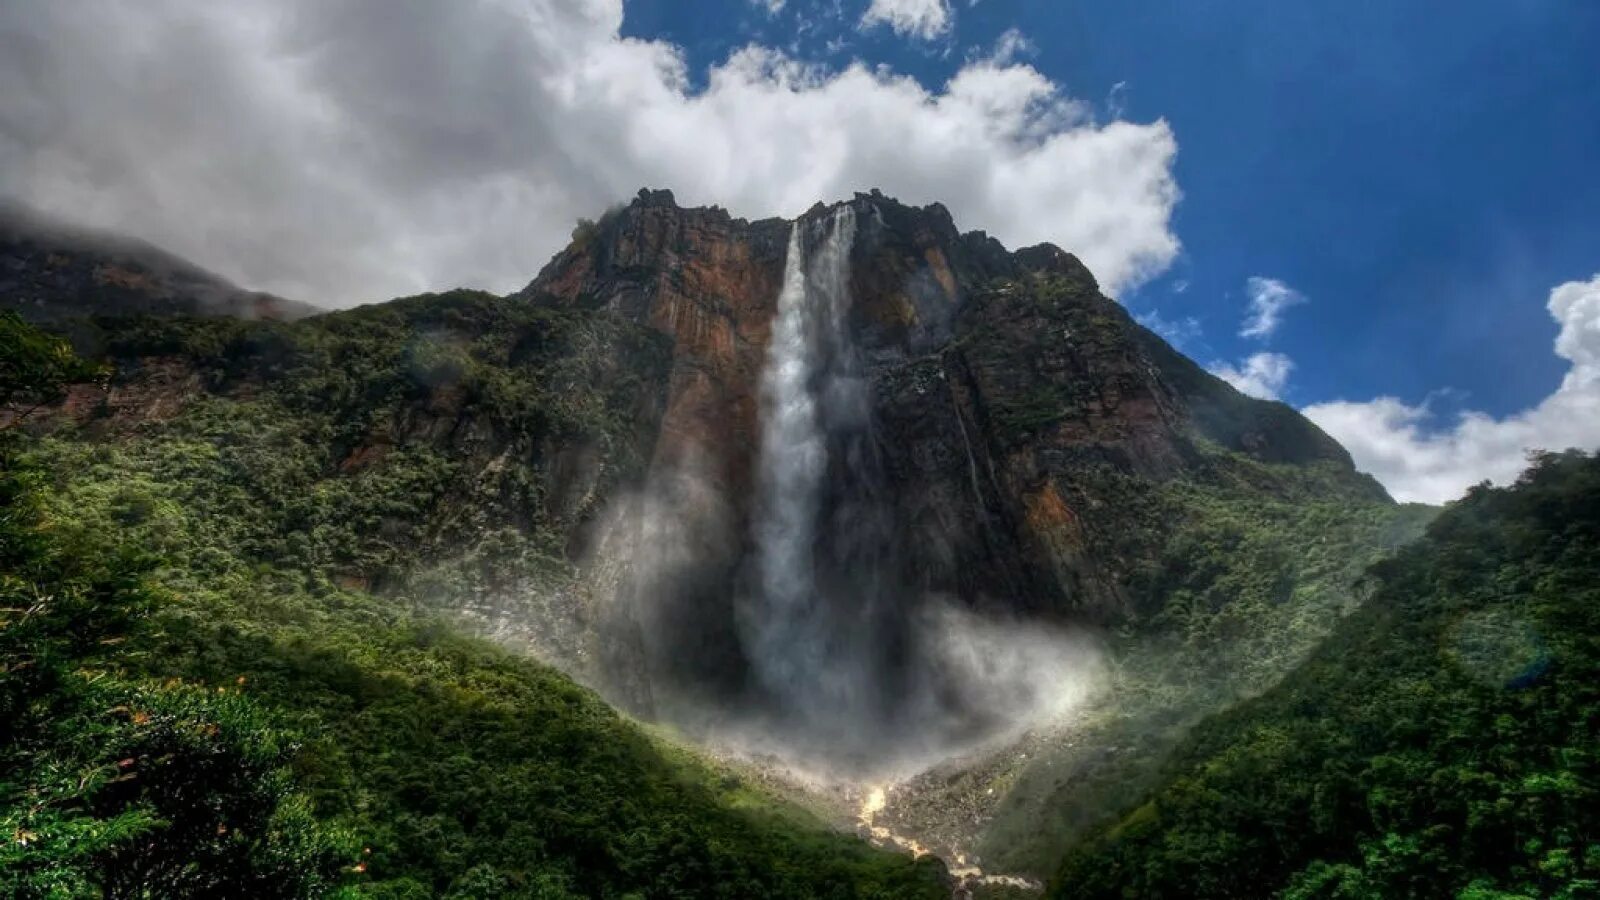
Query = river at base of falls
x=965 y=871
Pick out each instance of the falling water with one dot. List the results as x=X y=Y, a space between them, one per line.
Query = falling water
x=787 y=624
x=852 y=660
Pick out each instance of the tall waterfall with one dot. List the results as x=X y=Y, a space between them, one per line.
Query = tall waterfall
x=792 y=633
x=852 y=660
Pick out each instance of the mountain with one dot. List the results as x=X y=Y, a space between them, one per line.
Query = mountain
x=1441 y=742
x=1008 y=404
x=856 y=495
x=1028 y=452
x=51 y=271
x=1002 y=383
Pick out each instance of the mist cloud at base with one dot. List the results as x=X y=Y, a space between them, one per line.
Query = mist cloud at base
x=982 y=683
x=786 y=618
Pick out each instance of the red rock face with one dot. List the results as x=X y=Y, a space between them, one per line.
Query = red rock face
x=1007 y=386
x=708 y=282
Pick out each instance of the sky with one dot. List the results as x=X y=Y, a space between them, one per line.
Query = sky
x=1384 y=216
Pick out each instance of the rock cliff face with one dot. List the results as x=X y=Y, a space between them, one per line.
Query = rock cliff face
x=1015 y=415
x=1000 y=378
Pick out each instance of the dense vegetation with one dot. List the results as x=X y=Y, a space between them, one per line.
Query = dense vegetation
x=444 y=447
x=108 y=782
x=1254 y=565
x=1441 y=743
x=201 y=698
x=36 y=368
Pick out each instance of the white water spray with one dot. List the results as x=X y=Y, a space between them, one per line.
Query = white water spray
x=853 y=661
x=787 y=627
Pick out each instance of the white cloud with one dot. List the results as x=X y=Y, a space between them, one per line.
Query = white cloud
x=773 y=7
x=1263 y=375
x=358 y=150
x=1395 y=443
x=1269 y=297
x=1117 y=100
x=923 y=19
x=1012 y=45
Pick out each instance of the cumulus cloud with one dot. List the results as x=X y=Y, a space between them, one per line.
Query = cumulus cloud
x=1269 y=297
x=339 y=152
x=922 y=19
x=1262 y=375
x=1401 y=446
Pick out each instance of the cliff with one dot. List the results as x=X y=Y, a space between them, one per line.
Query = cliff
x=1007 y=390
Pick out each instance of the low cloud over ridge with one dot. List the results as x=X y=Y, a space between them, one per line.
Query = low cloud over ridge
x=1262 y=375
x=346 y=152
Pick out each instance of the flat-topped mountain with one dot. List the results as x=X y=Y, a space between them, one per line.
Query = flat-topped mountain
x=990 y=422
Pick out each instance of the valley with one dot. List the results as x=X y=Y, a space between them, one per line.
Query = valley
x=845 y=556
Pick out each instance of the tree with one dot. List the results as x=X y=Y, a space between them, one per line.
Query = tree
x=36 y=368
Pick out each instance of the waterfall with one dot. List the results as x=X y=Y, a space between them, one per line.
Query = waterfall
x=790 y=631
x=852 y=661
x=972 y=461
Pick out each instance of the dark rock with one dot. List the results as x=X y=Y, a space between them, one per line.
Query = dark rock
x=1012 y=396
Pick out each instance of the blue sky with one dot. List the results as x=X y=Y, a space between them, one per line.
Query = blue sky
x=1423 y=179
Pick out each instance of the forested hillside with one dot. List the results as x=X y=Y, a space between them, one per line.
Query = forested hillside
x=193 y=710
x=1443 y=742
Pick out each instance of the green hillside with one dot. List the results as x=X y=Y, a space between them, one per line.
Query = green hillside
x=194 y=706
x=1443 y=742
